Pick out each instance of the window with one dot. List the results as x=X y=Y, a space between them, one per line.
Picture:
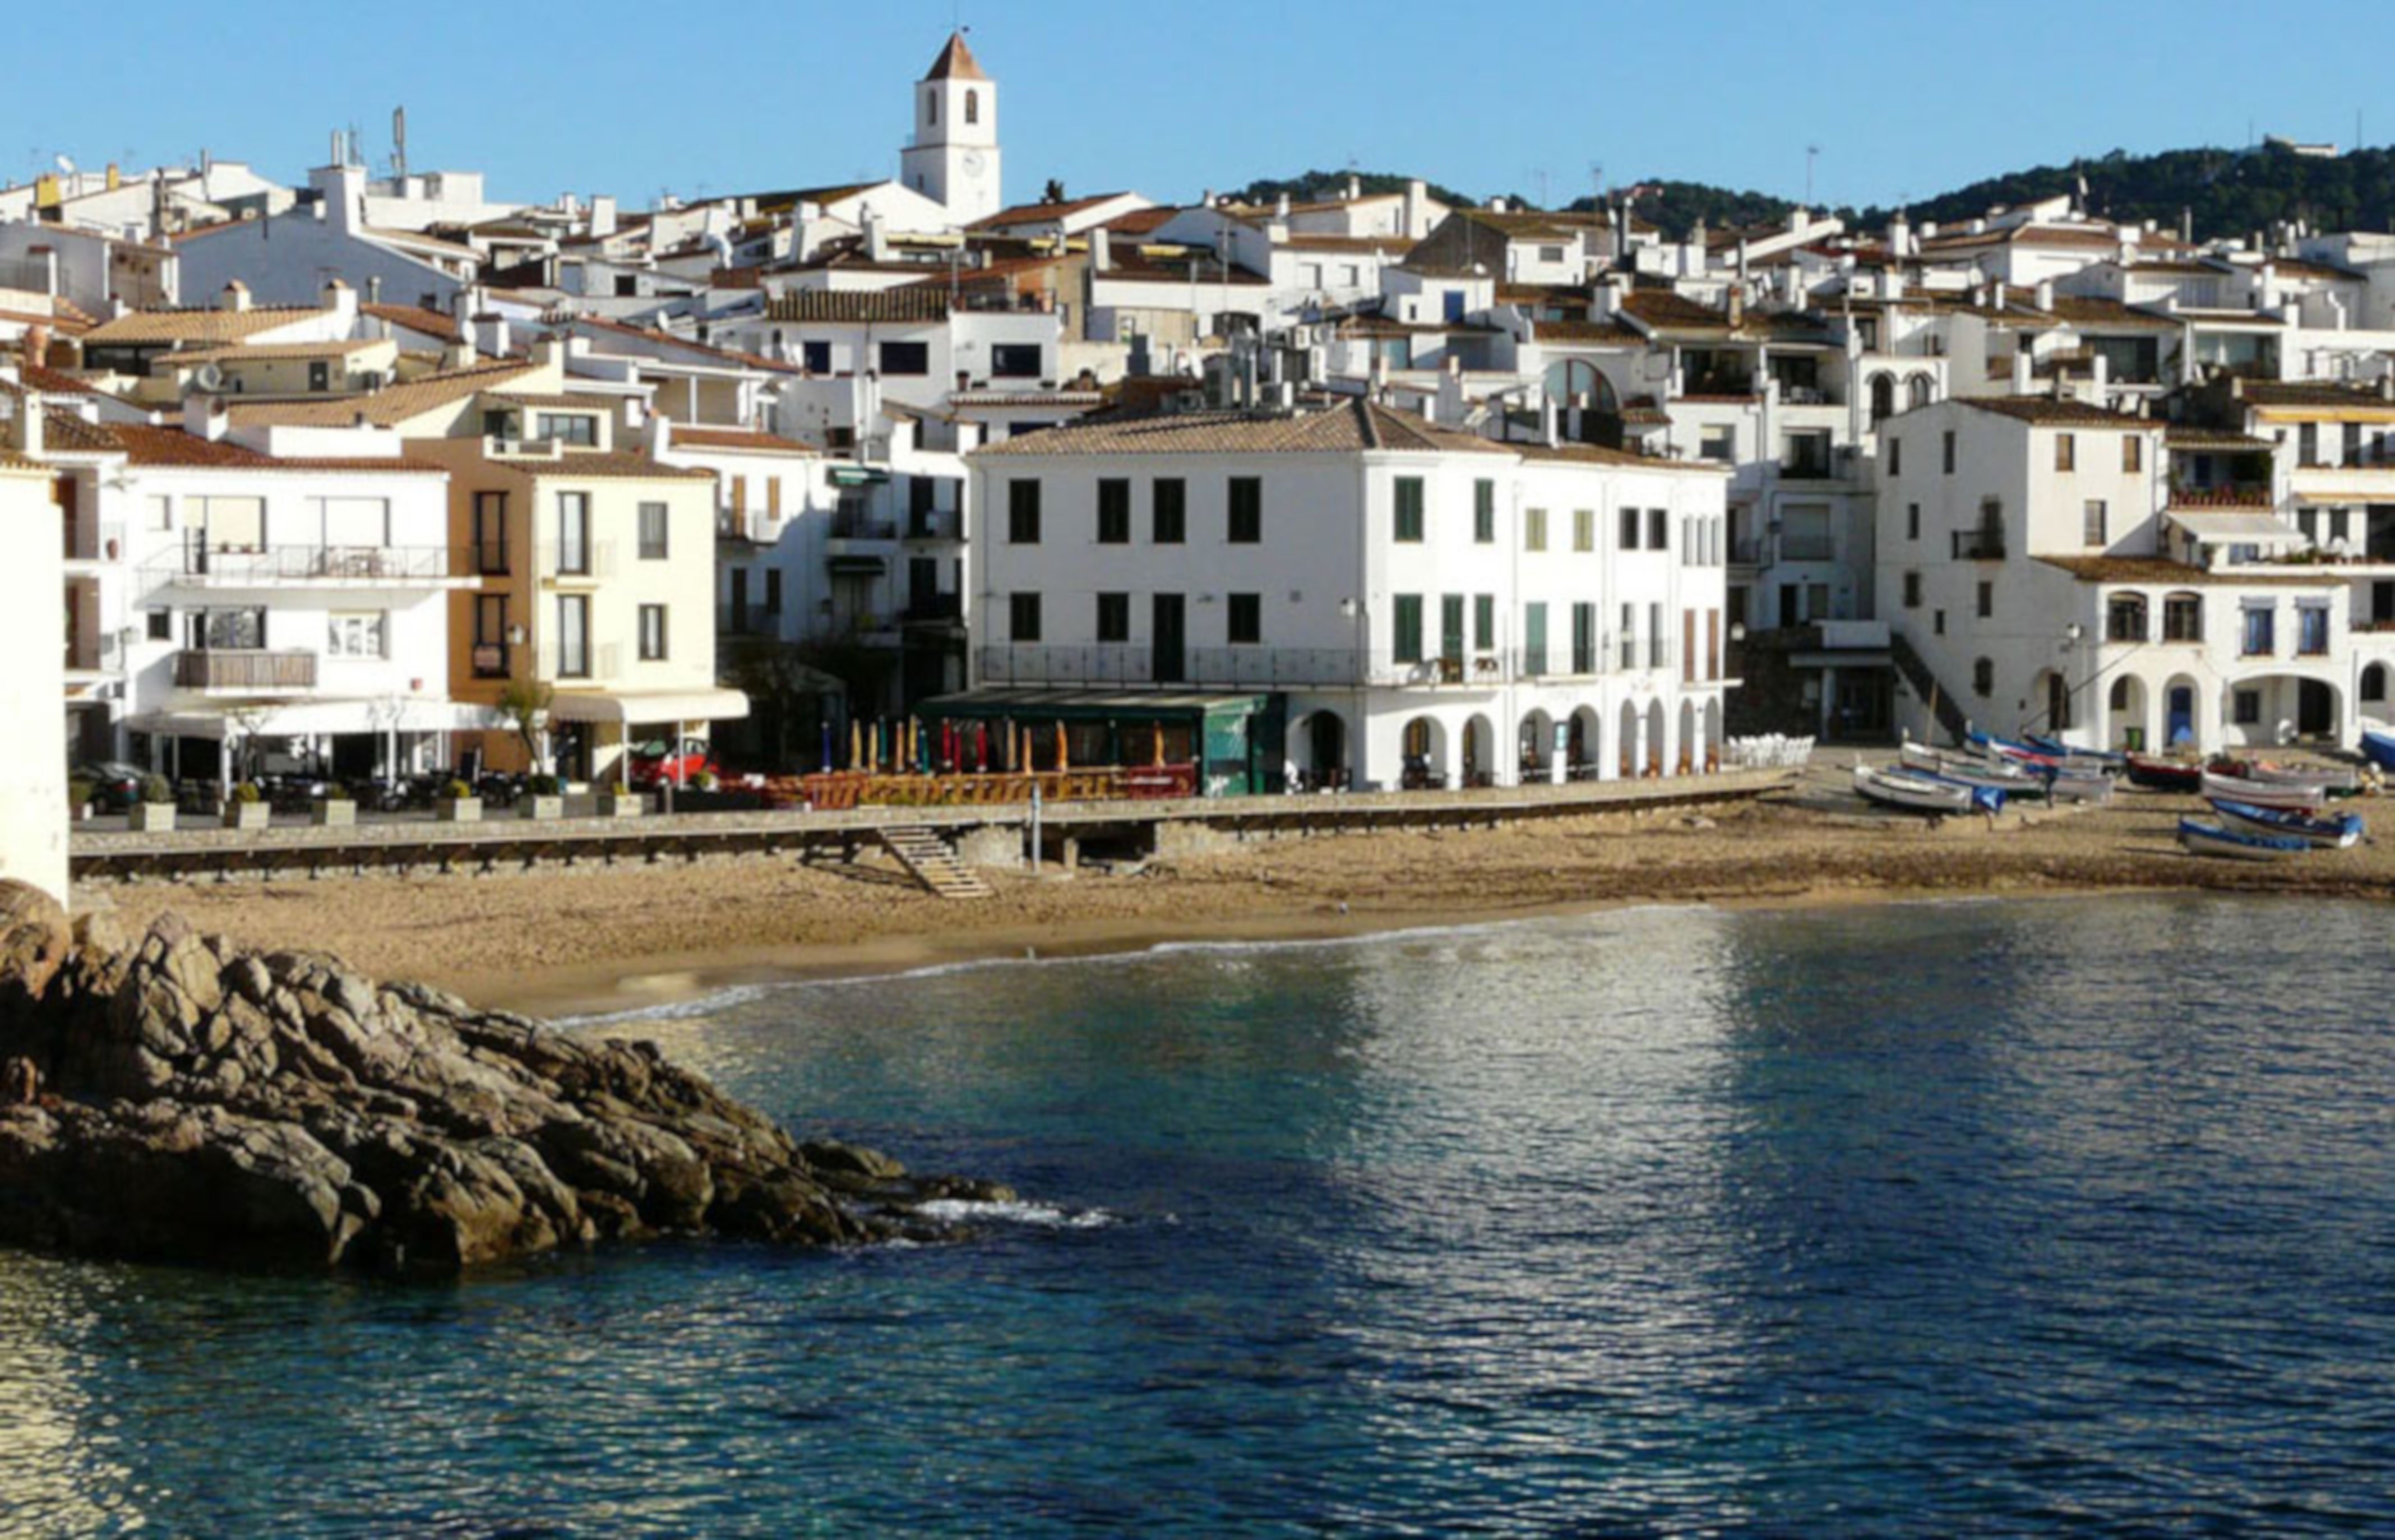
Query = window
x=1895 y=456
x=491 y=643
x=2092 y=532
x=1406 y=622
x=574 y=534
x=773 y=590
x=358 y=633
x=1170 y=515
x=972 y=106
x=905 y=358
x=162 y=624
x=1629 y=635
x=1937 y=621
x=2183 y=618
x=2066 y=452
x=574 y=428
x=1718 y=444
x=2259 y=632
x=1630 y=529
x=1534 y=530
x=227 y=630
x=1551 y=255
x=1912 y=521
x=1114 y=617
x=2374 y=683
x=815 y=357
x=1409 y=510
x=2133 y=454
x=1023 y=511
x=574 y=636
x=1247 y=511
x=1950 y=455
x=2308 y=445
x=1114 y=513
x=1583 y=529
x=1912 y=591
x=653 y=531
x=1023 y=617
x=932 y=108
x=2312 y=629
x=1484 y=621
x=1484 y=512
x=1451 y=627
x=320 y=376
x=1983 y=677
x=1986 y=599
x=491 y=534
x=2247 y=708
x=1245 y=625
x=1534 y=639
x=653 y=633
x=1659 y=529
x=2124 y=617
x=1014 y=360
x=1584 y=639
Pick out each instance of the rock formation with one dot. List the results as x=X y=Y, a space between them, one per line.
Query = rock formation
x=177 y=1097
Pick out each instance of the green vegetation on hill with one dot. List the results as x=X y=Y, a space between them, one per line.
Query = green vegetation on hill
x=1676 y=206
x=1326 y=186
x=2230 y=192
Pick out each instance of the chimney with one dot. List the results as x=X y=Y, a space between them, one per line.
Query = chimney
x=603 y=215
x=1354 y=188
x=2020 y=373
x=2187 y=225
x=204 y=417
x=1280 y=206
x=1900 y=237
x=1547 y=430
x=342 y=301
x=235 y=297
x=1605 y=302
x=1206 y=199
x=373 y=289
x=1417 y=210
x=1102 y=249
x=491 y=337
x=37 y=343
x=877 y=240
x=30 y=428
x=2046 y=294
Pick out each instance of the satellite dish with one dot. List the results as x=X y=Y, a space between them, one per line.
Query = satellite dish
x=209 y=377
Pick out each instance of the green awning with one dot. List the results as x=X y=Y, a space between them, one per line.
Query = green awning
x=856 y=566
x=858 y=475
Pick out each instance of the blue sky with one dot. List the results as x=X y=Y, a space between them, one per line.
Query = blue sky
x=601 y=95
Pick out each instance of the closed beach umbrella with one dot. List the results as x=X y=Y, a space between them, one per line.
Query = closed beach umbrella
x=981 y=745
x=1159 y=746
x=1063 y=756
x=855 y=743
x=823 y=760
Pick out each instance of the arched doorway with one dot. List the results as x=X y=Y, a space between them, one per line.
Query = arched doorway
x=1920 y=391
x=2125 y=704
x=1883 y=397
x=1479 y=753
x=1423 y=747
x=2051 y=703
x=2180 y=728
x=1586 y=744
x=1537 y=748
x=1658 y=744
x=2315 y=709
x=1319 y=744
x=2373 y=686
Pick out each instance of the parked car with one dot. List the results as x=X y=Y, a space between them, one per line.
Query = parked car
x=115 y=785
x=655 y=763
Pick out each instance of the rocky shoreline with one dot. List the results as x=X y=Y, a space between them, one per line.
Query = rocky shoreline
x=172 y=1097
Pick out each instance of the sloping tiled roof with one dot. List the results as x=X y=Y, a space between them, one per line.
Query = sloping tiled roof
x=415 y=318
x=2089 y=311
x=686 y=344
x=164 y=326
x=1350 y=428
x=955 y=61
x=910 y=303
x=2162 y=573
x=1597 y=454
x=614 y=464
x=2047 y=412
x=385 y=407
x=740 y=441
x=2291 y=393
x=1040 y=213
x=270 y=352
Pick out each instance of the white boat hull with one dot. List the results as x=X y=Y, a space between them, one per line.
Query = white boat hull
x=2304 y=799
x=1909 y=792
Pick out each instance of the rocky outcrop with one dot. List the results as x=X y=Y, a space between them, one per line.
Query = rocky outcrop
x=175 y=1097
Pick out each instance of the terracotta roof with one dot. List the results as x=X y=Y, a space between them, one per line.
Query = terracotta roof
x=686 y=344
x=571 y=401
x=1597 y=454
x=619 y=464
x=66 y=433
x=1141 y=221
x=267 y=352
x=147 y=444
x=2195 y=438
x=1383 y=244
x=955 y=61
x=1025 y=398
x=1667 y=311
x=2047 y=412
x=2275 y=393
x=2289 y=267
x=415 y=318
x=41 y=377
x=1585 y=331
x=1040 y=213
x=2086 y=311
x=2162 y=573
x=385 y=407
x=1352 y=427
x=738 y=440
x=166 y=326
x=910 y=302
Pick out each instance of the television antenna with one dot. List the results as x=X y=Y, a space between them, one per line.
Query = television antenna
x=1812 y=155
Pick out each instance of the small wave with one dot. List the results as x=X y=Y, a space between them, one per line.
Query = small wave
x=678 y=1010
x=1044 y=1216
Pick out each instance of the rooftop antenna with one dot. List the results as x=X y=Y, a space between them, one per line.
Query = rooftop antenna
x=1812 y=154
x=399 y=142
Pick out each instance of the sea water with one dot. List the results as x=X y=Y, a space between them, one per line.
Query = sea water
x=2009 y=1219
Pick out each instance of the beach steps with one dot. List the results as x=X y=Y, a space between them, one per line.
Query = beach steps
x=929 y=860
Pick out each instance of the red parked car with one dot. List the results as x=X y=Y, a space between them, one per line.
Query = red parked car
x=655 y=764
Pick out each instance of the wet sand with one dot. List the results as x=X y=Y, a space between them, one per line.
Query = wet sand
x=576 y=942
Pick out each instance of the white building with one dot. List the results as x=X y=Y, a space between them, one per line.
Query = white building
x=953 y=158
x=1384 y=602
x=286 y=258
x=34 y=793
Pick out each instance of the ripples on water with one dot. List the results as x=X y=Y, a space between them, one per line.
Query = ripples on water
x=2000 y=1217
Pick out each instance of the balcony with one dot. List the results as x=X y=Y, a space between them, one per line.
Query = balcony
x=315 y=567
x=858 y=526
x=934 y=609
x=936 y=524
x=1746 y=551
x=572 y=566
x=2228 y=494
x=1126 y=665
x=1807 y=547
x=245 y=672
x=1979 y=545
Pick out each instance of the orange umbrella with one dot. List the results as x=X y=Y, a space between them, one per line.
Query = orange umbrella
x=1159 y=746
x=1063 y=757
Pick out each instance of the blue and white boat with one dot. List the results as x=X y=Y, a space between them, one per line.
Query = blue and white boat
x=1914 y=791
x=2198 y=838
x=2073 y=757
x=2378 y=747
x=2321 y=830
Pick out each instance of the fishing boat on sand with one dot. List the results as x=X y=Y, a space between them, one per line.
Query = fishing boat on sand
x=2254 y=793
x=1911 y=791
x=2321 y=830
x=2198 y=838
x=2165 y=774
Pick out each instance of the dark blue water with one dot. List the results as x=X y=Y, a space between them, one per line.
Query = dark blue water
x=2000 y=1218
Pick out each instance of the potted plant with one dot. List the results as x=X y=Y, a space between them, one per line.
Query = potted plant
x=334 y=809
x=622 y=801
x=248 y=807
x=154 y=812
x=457 y=804
x=545 y=798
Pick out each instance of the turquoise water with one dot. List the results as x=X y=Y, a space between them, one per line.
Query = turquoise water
x=2006 y=1218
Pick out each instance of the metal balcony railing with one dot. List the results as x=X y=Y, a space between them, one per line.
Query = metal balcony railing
x=305 y=565
x=221 y=669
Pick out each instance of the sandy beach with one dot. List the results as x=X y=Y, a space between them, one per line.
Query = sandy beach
x=575 y=942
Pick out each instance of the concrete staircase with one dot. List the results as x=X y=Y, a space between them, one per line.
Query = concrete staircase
x=1925 y=685
x=929 y=860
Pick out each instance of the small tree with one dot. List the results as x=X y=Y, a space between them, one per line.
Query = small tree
x=524 y=702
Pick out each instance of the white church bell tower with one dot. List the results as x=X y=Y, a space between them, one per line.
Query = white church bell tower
x=954 y=157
